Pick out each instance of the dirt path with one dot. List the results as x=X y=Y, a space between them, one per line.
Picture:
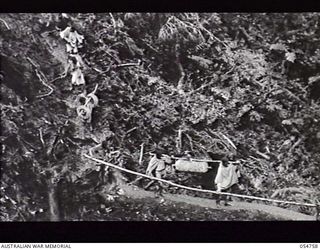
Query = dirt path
x=282 y=214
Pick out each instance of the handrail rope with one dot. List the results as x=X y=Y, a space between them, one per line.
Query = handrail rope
x=197 y=189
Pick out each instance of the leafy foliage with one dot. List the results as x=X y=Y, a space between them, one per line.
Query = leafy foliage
x=251 y=77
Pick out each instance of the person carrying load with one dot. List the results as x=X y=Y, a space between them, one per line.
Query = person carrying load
x=226 y=179
x=157 y=167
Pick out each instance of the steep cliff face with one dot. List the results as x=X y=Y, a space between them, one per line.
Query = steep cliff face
x=155 y=76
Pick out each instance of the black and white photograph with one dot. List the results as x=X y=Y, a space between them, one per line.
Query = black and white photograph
x=151 y=116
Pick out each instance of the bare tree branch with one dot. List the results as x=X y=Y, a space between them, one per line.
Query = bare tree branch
x=5 y=23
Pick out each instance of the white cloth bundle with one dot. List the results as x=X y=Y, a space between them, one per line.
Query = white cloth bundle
x=191 y=166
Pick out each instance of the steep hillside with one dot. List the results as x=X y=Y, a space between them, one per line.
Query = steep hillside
x=249 y=78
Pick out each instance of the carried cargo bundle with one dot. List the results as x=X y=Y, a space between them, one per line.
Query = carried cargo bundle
x=192 y=166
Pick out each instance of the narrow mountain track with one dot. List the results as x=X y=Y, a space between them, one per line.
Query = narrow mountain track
x=280 y=213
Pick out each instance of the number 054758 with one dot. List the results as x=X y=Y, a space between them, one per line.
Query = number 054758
x=309 y=246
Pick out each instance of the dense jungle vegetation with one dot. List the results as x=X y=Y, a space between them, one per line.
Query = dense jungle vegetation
x=252 y=79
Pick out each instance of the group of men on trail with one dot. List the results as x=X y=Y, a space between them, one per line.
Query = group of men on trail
x=226 y=178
